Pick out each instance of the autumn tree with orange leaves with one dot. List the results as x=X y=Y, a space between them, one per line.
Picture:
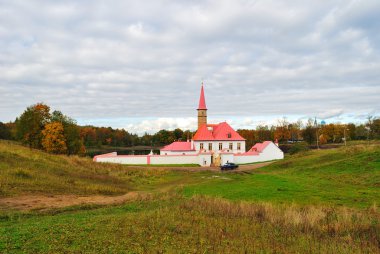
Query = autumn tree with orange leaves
x=53 y=139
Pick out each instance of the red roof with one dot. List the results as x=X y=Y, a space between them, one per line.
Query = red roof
x=178 y=146
x=202 y=101
x=221 y=131
x=259 y=147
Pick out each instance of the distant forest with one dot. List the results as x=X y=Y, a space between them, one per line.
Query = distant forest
x=54 y=132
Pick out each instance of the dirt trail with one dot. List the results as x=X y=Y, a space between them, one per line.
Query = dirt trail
x=40 y=202
x=37 y=202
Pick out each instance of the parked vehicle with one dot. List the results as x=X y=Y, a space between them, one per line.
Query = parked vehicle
x=229 y=166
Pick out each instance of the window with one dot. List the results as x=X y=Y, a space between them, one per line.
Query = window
x=210 y=146
x=201 y=146
x=220 y=146
x=231 y=146
x=238 y=146
x=229 y=135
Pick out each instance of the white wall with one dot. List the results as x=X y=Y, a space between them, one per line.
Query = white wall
x=204 y=160
x=178 y=152
x=173 y=159
x=226 y=158
x=243 y=159
x=271 y=152
x=124 y=159
x=201 y=159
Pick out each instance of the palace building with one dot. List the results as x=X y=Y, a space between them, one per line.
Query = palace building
x=212 y=145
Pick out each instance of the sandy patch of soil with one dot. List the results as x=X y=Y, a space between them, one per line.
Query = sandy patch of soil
x=36 y=202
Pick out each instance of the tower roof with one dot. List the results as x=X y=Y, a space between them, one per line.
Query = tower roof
x=202 y=101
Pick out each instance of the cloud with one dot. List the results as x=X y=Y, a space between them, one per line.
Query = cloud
x=125 y=60
x=154 y=125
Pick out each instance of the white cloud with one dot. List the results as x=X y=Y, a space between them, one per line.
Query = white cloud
x=154 y=125
x=128 y=59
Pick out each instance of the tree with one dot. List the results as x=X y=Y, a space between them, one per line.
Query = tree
x=5 y=132
x=376 y=128
x=178 y=133
x=263 y=133
x=31 y=123
x=322 y=139
x=88 y=136
x=282 y=132
x=71 y=132
x=53 y=139
x=309 y=133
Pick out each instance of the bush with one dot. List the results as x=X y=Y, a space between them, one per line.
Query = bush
x=298 y=147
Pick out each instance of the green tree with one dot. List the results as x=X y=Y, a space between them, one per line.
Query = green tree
x=5 y=132
x=71 y=132
x=309 y=133
x=178 y=133
x=31 y=123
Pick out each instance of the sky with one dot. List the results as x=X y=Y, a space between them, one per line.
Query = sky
x=139 y=65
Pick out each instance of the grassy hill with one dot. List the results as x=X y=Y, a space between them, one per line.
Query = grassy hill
x=318 y=202
x=25 y=171
x=345 y=176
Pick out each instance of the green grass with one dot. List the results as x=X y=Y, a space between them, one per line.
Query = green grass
x=203 y=225
x=26 y=171
x=318 y=202
x=344 y=176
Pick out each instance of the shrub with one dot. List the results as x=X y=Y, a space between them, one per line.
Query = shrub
x=298 y=147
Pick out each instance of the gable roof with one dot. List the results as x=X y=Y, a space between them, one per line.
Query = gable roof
x=221 y=131
x=259 y=147
x=178 y=146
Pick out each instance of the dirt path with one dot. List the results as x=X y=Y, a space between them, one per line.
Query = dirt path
x=40 y=202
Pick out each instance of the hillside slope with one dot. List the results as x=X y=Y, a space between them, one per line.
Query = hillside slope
x=25 y=171
x=345 y=176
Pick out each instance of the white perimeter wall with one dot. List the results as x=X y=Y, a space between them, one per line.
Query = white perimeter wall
x=124 y=159
x=178 y=152
x=271 y=152
x=173 y=159
x=202 y=159
x=224 y=158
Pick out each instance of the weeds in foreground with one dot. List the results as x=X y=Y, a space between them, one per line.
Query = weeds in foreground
x=173 y=224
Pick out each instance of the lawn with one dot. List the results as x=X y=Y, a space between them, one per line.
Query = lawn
x=319 y=202
x=175 y=224
x=345 y=176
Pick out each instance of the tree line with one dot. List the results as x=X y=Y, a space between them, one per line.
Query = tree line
x=54 y=132
x=285 y=131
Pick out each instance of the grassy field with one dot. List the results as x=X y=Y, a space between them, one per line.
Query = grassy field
x=345 y=176
x=317 y=202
